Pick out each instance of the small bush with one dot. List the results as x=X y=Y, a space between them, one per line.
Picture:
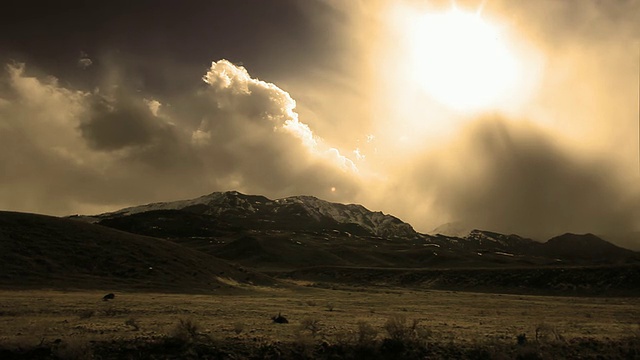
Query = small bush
x=399 y=329
x=366 y=333
x=330 y=306
x=546 y=332
x=363 y=335
x=313 y=326
x=404 y=338
x=186 y=331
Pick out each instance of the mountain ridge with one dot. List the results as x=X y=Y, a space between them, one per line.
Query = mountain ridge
x=325 y=233
x=238 y=204
x=229 y=240
x=40 y=250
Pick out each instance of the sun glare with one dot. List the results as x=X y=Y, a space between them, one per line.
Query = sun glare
x=461 y=60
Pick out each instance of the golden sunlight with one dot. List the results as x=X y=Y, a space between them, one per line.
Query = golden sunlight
x=460 y=59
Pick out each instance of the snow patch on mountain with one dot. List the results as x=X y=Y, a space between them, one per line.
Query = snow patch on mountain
x=375 y=222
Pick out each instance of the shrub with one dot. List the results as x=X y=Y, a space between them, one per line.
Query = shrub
x=186 y=331
x=363 y=336
x=313 y=326
x=546 y=332
x=404 y=339
x=366 y=333
x=399 y=329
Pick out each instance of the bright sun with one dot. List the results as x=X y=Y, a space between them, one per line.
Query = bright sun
x=461 y=60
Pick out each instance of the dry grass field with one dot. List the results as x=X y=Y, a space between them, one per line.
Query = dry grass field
x=73 y=322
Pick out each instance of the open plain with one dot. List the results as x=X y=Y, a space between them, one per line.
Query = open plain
x=79 y=324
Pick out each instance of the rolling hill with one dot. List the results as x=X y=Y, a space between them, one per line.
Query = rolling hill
x=45 y=251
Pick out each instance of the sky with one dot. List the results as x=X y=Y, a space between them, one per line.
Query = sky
x=518 y=117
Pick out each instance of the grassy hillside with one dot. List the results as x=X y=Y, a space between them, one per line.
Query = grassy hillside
x=37 y=251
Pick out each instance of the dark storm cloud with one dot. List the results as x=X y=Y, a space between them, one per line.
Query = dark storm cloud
x=513 y=177
x=274 y=38
x=133 y=130
x=124 y=121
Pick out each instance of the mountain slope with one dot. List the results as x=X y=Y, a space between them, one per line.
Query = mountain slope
x=586 y=248
x=291 y=213
x=37 y=250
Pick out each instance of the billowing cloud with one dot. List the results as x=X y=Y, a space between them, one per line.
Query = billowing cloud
x=107 y=148
x=240 y=96
x=255 y=123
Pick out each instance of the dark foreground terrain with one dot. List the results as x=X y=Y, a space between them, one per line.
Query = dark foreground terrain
x=388 y=348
